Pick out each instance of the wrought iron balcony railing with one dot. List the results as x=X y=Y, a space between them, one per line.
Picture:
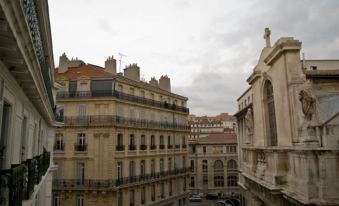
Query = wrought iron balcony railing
x=162 y=146
x=17 y=183
x=143 y=147
x=80 y=147
x=122 y=121
x=184 y=146
x=75 y=184
x=121 y=95
x=132 y=147
x=153 y=147
x=177 y=146
x=169 y=146
x=59 y=147
x=120 y=147
x=32 y=18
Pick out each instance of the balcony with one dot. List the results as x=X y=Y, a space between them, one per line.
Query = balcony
x=184 y=146
x=132 y=147
x=123 y=96
x=80 y=147
x=153 y=147
x=162 y=146
x=59 y=147
x=143 y=147
x=177 y=146
x=109 y=184
x=120 y=147
x=18 y=182
x=100 y=120
x=169 y=146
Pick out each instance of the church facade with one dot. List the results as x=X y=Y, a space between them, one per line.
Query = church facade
x=288 y=129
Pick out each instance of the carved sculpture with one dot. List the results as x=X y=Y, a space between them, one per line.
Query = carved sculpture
x=307 y=104
x=249 y=122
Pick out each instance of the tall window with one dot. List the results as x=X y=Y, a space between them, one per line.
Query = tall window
x=79 y=200
x=153 y=192
x=142 y=94
x=169 y=164
x=162 y=190
x=59 y=142
x=143 y=195
x=162 y=141
x=204 y=166
x=131 y=169
x=142 y=167
x=120 y=198
x=119 y=170
x=232 y=180
x=56 y=200
x=204 y=149
x=142 y=140
x=153 y=167
x=192 y=165
x=23 y=139
x=218 y=173
x=81 y=172
x=82 y=111
x=81 y=142
x=5 y=130
x=192 y=184
x=271 y=123
x=131 y=198
x=120 y=139
x=231 y=165
x=83 y=89
x=161 y=165
x=152 y=140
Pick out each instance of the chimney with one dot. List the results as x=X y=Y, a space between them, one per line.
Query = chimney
x=165 y=83
x=132 y=71
x=267 y=37
x=153 y=82
x=111 y=65
x=63 y=63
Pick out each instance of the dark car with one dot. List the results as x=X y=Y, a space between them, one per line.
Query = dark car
x=195 y=198
x=232 y=202
x=211 y=196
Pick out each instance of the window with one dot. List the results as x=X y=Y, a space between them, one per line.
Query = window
x=80 y=173
x=153 y=193
x=81 y=145
x=270 y=108
x=56 y=200
x=23 y=139
x=204 y=149
x=132 y=113
x=58 y=142
x=170 y=188
x=131 y=142
x=169 y=163
x=119 y=170
x=131 y=169
x=232 y=180
x=162 y=141
x=82 y=111
x=79 y=200
x=120 y=139
x=120 y=198
x=204 y=166
x=162 y=190
x=143 y=195
x=131 y=91
x=142 y=167
x=192 y=165
x=205 y=179
x=152 y=140
x=142 y=140
x=231 y=165
x=131 y=198
x=183 y=162
x=192 y=184
x=152 y=96
x=120 y=88
x=142 y=94
x=161 y=165
x=58 y=173
x=153 y=167
x=218 y=181
x=83 y=89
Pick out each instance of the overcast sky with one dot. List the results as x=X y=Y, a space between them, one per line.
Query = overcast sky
x=207 y=47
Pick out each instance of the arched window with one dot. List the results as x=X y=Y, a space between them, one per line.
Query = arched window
x=270 y=111
x=218 y=166
x=231 y=165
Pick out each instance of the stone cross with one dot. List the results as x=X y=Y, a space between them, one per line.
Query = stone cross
x=267 y=37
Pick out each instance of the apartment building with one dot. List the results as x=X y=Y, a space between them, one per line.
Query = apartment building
x=288 y=124
x=26 y=103
x=123 y=140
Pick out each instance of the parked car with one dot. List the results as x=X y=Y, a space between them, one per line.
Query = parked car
x=221 y=203
x=211 y=196
x=195 y=198
x=232 y=202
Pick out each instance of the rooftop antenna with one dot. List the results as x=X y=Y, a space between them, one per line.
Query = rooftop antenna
x=121 y=55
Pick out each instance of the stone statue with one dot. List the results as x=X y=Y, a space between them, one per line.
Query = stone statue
x=249 y=122
x=307 y=104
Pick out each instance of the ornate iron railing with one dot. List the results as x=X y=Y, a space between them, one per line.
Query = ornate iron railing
x=121 y=121
x=32 y=19
x=120 y=95
x=75 y=184
x=17 y=183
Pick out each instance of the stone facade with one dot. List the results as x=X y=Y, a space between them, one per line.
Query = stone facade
x=214 y=165
x=123 y=142
x=288 y=132
x=26 y=103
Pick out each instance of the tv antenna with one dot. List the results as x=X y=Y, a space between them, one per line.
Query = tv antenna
x=120 y=60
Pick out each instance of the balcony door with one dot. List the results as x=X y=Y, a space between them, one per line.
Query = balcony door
x=119 y=171
x=82 y=113
x=5 y=126
x=80 y=173
x=83 y=89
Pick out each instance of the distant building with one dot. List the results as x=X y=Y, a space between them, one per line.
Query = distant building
x=214 y=164
x=288 y=132
x=27 y=103
x=202 y=126
x=123 y=142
